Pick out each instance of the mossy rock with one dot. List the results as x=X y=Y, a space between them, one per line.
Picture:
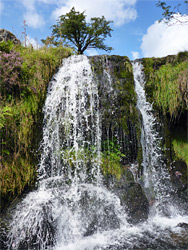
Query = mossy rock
x=118 y=103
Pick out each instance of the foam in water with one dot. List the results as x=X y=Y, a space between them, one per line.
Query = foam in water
x=71 y=209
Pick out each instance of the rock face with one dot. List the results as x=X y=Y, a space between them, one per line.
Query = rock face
x=118 y=103
x=6 y=35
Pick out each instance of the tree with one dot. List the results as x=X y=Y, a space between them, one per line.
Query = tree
x=169 y=12
x=82 y=35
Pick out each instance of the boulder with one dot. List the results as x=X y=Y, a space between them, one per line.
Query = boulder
x=6 y=35
x=136 y=202
x=132 y=197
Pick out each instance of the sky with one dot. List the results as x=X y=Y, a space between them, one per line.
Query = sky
x=136 y=30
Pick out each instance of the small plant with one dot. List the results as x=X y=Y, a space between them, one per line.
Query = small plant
x=82 y=155
x=111 y=159
x=4 y=112
x=180 y=146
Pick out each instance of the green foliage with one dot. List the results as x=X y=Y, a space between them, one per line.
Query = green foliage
x=182 y=56
x=82 y=35
x=84 y=156
x=180 y=146
x=6 y=46
x=4 y=112
x=166 y=83
x=111 y=159
x=167 y=95
x=166 y=87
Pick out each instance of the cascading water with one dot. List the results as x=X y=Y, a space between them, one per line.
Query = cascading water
x=70 y=202
x=72 y=126
x=71 y=209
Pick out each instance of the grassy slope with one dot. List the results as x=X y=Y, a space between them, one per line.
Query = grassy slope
x=21 y=119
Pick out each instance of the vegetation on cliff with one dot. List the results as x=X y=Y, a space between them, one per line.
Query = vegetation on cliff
x=166 y=87
x=166 y=83
x=25 y=74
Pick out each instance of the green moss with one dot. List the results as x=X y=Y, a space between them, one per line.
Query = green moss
x=111 y=167
x=180 y=145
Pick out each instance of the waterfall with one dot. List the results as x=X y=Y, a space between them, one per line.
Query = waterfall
x=71 y=123
x=71 y=208
x=70 y=201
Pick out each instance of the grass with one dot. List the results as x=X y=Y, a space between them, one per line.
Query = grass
x=180 y=144
x=166 y=83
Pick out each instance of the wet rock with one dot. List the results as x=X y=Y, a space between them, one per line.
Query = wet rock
x=180 y=183
x=183 y=225
x=179 y=174
x=97 y=214
x=136 y=203
x=6 y=35
x=132 y=197
x=181 y=239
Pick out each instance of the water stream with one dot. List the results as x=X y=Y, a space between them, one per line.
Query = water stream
x=71 y=209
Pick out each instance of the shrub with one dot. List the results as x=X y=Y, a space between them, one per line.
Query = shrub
x=10 y=69
x=6 y=46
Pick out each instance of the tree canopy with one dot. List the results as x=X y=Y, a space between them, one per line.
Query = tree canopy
x=170 y=11
x=73 y=28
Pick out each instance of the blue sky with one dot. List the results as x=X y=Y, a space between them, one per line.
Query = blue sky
x=137 y=32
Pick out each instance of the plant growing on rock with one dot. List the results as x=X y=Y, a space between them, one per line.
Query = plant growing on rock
x=111 y=158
